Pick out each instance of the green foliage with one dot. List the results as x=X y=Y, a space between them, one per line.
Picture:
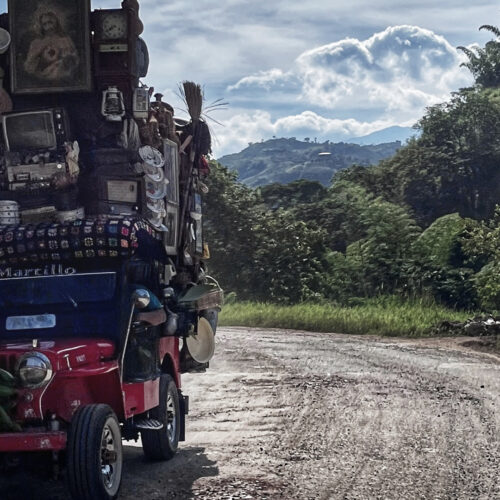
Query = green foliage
x=484 y=238
x=344 y=278
x=379 y=238
x=484 y=63
x=488 y=286
x=388 y=245
x=438 y=244
x=257 y=253
x=450 y=286
x=288 y=261
x=227 y=227
x=482 y=245
x=419 y=224
x=378 y=316
x=453 y=165
x=290 y=195
x=338 y=214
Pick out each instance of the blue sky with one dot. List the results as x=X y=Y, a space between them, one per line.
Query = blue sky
x=324 y=69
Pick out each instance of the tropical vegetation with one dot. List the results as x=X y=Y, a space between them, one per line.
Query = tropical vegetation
x=421 y=225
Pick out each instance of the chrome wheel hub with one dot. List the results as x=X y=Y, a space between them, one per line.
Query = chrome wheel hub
x=109 y=458
x=171 y=418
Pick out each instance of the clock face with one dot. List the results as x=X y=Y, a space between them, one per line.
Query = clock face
x=114 y=26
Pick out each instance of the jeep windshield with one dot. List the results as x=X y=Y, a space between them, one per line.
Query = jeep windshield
x=77 y=305
x=74 y=289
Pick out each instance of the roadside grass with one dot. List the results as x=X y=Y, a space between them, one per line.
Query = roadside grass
x=389 y=316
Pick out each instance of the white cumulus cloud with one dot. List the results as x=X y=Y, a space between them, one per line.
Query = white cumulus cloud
x=394 y=74
x=265 y=79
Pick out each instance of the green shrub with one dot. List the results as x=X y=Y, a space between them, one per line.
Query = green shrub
x=391 y=316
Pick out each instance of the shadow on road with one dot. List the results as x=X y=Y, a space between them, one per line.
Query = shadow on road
x=165 y=480
x=141 y=479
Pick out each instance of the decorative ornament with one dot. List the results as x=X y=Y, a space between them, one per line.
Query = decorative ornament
x=151 y=156
x=154 y=173
x=155 y=190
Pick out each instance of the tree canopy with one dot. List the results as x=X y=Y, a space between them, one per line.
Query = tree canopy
x=420 y=223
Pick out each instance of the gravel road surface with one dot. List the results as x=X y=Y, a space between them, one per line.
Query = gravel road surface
x=299 y=415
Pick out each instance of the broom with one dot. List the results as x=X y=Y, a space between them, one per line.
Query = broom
x=193 y=98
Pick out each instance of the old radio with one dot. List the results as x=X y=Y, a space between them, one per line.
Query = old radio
x=114 y=190
x=33 y=172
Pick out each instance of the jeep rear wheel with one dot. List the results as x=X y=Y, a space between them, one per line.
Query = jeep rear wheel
x=162 y=444
x=95 y=455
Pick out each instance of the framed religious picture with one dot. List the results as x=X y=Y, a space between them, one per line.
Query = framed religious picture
x=50 y=49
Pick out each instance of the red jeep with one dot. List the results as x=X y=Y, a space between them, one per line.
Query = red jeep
x=83 y=366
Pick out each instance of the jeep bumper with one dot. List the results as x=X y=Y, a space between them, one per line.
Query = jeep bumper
x=33 y=441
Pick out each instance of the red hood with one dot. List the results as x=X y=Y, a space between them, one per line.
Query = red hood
x=68 y=388
x=63 y=353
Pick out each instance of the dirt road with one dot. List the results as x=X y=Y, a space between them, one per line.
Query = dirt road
x=299 y=415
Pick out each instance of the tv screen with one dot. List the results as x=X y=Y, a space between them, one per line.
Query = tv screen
x=29 y=131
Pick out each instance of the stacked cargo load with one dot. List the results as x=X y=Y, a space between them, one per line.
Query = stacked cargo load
x=95 y=169
x=86 y=145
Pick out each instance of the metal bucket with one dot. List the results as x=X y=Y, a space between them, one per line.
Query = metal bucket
x=9 y=212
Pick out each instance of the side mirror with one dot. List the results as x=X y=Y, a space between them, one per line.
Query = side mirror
x=141 y=298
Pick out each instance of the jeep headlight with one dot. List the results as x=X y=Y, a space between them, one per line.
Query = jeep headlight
x=34 y=369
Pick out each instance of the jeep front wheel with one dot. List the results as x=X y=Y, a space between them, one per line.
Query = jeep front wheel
x=95 y=455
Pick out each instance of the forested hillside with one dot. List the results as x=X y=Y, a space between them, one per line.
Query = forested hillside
x=286 y=160
x=423 y=223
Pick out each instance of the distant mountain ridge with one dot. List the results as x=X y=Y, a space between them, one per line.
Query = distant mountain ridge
x=286 y=160
x=389 y=134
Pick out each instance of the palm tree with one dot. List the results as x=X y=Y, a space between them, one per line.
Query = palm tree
x=484 y=63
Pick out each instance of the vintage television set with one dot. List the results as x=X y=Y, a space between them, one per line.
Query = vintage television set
x=34 y=146
x=35 y=131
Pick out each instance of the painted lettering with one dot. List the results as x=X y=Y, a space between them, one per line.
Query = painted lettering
x=47 y=270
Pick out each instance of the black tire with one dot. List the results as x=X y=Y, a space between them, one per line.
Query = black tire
x=162 y=444
x=90 y=474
